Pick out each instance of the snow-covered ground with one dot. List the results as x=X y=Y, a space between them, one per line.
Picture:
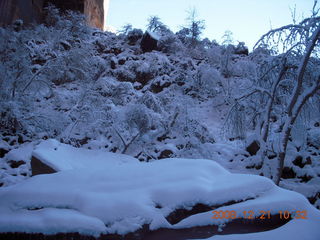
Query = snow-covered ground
x=96 y=192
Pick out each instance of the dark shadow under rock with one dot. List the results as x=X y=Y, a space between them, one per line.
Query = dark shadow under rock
x=238 y=226
x=180 y=214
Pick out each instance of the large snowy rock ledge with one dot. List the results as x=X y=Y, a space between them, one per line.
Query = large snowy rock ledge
x=98 y=193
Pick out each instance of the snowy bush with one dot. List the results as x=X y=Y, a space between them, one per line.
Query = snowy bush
x=244 y=69
x=134 y=35
x=206 y=82
x=170 y=43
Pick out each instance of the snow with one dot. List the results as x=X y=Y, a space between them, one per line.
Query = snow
x=154 y=35
x=64 y=157
x=97 y=192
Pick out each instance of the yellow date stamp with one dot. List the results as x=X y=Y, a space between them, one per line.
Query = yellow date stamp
x=263 y=215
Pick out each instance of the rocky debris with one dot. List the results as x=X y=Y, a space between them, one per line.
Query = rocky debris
x=301 y=162
x=288 y=172
x=149 y=42
x=16 y=164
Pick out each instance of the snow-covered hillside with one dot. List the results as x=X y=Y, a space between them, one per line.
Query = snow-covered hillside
x=148 y=102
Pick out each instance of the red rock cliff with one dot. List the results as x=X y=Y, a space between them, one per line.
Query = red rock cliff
x=27 y=10
x=31 y=10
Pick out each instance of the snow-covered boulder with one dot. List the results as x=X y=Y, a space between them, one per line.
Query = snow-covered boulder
x=97 y=193
x=52 y=156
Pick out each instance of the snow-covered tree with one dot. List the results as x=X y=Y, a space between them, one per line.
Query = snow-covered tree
x=296 y=82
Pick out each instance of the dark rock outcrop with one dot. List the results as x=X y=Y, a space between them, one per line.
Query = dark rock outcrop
x=149 y=42
x=31 y=11
x=253 y=148
x=39 y=167
x=3 y=151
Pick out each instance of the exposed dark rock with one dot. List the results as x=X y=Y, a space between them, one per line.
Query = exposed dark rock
x=16 y=164
x=158 y=87
x=288 y=172
x=314 y=198
x=253 y=148
x=305 y=178
x=165 y=154
x=38 y=167
x=308 y=161
x=180 y=214
x=121 y=61
x=115 y=51
x=163 y=137
x=3 y=152
x=272 y=156
x=299 y=162
x=256 y=166
x=237 y=226
x=144 y=77
x=65 y=45
x=113 y=64
x=317 y=124
x=148 y=42
x=20 y=139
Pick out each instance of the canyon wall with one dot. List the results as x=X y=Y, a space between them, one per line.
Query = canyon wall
x=31 y=11
x=27 y=10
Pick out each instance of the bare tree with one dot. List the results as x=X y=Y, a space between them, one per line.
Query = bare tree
x=299 y=42
x=155 y=24
x=194 y=25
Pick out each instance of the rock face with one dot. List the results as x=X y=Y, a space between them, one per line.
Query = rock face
x=27 y=10
x=96 y=11
x=31 y=11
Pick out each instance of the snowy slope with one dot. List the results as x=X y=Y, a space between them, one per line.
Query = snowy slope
x=121 y=198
